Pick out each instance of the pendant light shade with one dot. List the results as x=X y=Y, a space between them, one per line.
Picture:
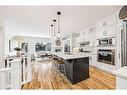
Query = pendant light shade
x=59 y=13
x=56 y=31
x=54 y=28
x=52 y=31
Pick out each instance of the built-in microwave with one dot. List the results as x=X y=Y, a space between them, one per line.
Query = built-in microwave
x=106 y=56
x=106 y=41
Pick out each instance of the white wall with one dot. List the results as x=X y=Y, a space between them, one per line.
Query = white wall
x=2 y=49
x=12 y=29
x=32 y=41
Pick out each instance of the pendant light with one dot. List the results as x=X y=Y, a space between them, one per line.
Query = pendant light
x=55 y=36
x=58 y=13
x=52 y=31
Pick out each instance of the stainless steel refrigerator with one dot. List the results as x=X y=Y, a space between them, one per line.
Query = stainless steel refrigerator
x=123 y=17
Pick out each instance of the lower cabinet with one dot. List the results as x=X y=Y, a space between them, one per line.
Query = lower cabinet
x=77 y=69
x=121 y=83
x=106 y=67
x=93 y=60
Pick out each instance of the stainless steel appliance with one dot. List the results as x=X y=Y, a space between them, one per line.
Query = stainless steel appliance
x=106 y=56
x=84 y=43
x=67 y=48
x=123 y=16
x=106 y=41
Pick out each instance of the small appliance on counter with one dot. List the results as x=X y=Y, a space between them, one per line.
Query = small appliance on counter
x=76 y=49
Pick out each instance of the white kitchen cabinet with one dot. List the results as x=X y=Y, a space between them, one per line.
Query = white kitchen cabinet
x=93 y=59
x=92 y=36
x=121 y=78
x=106 y=27
x=81 y=36
x=107 y=31
x=110 y=20
x=121 y=83
x=86 y=35
x=78 y=37
x=106 y=67
x=77 y=41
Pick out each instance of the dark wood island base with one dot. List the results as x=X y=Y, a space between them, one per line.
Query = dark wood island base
x=77 y=69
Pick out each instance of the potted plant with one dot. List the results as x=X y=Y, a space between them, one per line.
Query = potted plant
x=17 y=49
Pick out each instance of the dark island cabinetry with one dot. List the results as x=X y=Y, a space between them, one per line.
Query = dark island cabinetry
x=77 y=69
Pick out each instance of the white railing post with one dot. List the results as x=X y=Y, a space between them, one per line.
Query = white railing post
x=16 y=73
x=29 y=68
x=26 y=70
x=2 y=80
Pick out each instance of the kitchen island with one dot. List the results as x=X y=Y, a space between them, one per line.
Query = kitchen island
x=76 y=66
x=121 y=78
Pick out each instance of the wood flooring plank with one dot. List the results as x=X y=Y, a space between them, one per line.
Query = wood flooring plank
x=44 y=77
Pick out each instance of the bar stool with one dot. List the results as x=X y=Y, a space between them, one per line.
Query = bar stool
x=61 y=67
x=54 y=63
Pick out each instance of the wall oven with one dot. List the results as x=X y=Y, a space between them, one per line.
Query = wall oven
x=106 y=56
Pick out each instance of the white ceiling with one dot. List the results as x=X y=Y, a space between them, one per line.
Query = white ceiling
x=37 y=19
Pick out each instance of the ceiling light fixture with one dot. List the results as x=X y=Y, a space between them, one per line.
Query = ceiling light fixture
x=54 y=28
x=52 y=31
x=59 y=13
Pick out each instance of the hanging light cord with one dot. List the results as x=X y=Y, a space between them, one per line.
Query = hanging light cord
x=58 y=13
x=54 y=27
x=52 y=31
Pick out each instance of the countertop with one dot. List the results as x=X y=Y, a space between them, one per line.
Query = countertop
x=72 y=55
x=14 y=57
x=122 y=72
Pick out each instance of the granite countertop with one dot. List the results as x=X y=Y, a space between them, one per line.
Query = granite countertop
x=72 y=55
x=122 y=72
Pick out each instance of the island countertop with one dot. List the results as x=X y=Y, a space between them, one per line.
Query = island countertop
x=72 y=55
x=121 y=72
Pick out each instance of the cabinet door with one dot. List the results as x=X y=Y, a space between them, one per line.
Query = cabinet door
x=81 y=68
x=86 y=37
x=107 y=31
x=100 y=33
x=69 y=69
x=92 y=36
x=107 y=21
x=111 y=30
x=93 y=60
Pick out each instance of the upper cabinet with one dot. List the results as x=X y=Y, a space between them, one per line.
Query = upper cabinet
x=88 y=34
x=92 y=36
x=107 y=26
x=85 y=34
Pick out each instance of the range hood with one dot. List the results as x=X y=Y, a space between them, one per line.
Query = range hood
x=84 y=43
x=123 y=16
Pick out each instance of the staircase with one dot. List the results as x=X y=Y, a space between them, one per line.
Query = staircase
x=15 y=72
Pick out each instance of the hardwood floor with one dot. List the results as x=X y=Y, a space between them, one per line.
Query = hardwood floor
x=43 y=77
